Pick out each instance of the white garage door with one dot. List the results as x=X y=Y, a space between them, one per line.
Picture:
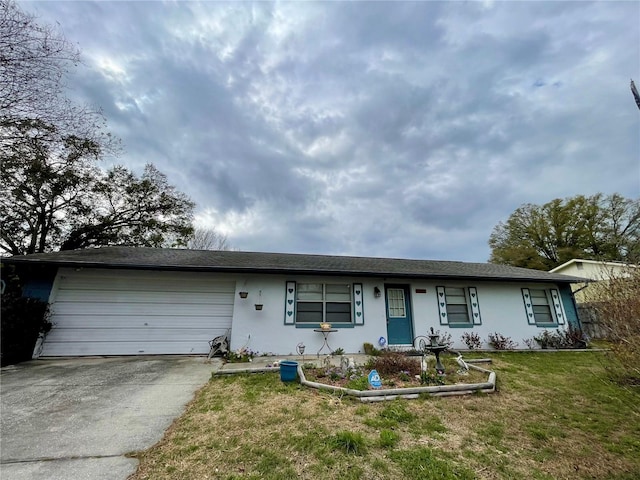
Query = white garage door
x=128 y=312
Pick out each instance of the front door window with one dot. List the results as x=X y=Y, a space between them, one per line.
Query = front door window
x=396 y=302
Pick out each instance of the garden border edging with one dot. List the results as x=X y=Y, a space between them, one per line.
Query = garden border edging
x=411 y=392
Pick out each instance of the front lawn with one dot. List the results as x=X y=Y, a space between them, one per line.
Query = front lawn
x=555 y=415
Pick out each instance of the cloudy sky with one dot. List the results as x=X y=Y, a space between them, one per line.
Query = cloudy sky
x=401 y=129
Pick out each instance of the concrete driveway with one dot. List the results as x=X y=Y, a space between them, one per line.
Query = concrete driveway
x=76 y=418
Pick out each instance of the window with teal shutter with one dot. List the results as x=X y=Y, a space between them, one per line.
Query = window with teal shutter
x=311 y=303
x=458 y=306
x=543 y=307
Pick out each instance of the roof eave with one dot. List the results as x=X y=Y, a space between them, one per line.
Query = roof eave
x=281 y=271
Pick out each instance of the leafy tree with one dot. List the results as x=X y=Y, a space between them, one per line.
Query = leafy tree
x=126 y=210
x=52 y=192
x=53 y=196
x=593 y=227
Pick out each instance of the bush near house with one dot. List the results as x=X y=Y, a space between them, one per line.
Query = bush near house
x=618 y=308
x=22 y=320
x=501 y=342
x=570 y=338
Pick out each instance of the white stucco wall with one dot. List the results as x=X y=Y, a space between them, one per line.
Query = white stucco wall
x=501 y=307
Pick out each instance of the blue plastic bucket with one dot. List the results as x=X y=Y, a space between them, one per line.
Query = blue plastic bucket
x=288 y=371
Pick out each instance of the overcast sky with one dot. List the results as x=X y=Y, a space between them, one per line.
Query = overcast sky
x=402 y=129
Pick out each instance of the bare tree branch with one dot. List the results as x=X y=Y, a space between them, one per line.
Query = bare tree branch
x=208 y=239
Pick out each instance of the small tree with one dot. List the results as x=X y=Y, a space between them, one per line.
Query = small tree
x=617 y=302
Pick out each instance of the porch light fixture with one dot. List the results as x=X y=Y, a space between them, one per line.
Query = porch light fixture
x=376 y=292
x=243 y=294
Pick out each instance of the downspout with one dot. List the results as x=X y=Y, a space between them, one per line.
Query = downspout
x=575 y=305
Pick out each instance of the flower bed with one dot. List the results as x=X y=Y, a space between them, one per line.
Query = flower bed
x=397 y=371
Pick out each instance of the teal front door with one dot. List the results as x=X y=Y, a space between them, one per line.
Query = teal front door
x=399 y=322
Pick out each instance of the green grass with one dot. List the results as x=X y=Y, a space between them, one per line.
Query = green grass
x=425 y=464
x=388 y=438
x=556 y=415
x=349 y=442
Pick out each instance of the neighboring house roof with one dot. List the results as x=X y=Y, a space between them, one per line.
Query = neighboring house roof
x=282 y=263
x=593 y=269
x=576 y=261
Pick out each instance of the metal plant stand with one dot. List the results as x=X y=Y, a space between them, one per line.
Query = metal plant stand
x=325 y=333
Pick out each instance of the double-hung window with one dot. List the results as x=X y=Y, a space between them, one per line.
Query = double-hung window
x=540 y=306
x=543 y=306
x=323 y=302
x=458 y=306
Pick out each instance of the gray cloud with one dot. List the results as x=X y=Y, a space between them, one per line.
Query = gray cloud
x=404 y=129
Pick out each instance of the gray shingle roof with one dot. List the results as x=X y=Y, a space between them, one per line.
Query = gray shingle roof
x=283 y=263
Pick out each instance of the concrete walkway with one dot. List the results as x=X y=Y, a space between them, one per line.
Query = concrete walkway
x=270 y=363
x=72 y=419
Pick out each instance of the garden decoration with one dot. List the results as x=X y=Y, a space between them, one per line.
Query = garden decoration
x=347 y=364
x=300 y=348
x=432 y=346
x=219 y=346
x=374 y=379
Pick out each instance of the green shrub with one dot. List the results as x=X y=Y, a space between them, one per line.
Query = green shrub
x=358 y=383
x=369 y=349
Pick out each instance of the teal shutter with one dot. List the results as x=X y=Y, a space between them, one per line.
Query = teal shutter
x=290 y=304
x=528 y=307
x=557 y=306
x=475 y=306
x=358 y=304
x=442 y=306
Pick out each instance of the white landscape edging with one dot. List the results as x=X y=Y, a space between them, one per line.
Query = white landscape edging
x=410 y=392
